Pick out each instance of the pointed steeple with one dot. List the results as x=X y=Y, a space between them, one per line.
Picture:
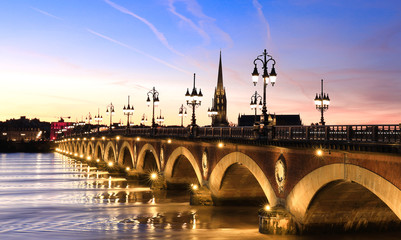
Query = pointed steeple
x=220 y=100
x=220 y=87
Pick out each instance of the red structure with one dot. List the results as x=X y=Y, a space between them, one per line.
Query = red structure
x=59 y=129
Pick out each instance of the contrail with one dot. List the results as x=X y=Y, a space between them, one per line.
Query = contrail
x=138 y=51
x=200 y=31
x=46 y=13
x=158 y=34
x=258 y=7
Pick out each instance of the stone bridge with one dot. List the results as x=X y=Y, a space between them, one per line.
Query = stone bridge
x=310 y=185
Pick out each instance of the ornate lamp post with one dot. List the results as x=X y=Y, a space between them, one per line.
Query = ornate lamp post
x=82 y=122
x=129 y=110
x=211 y=112
x=160 y=118
x=182 y=112
x=194 y=100
x=155 y=100
x=254 y=103
x=98 y=119
x=266 y=79
x=110 y=111
x=88 y=118
x=322 y=102
x=144 y=119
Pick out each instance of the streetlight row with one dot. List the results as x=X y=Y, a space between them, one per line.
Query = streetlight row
x=194 y=99
x=322 y=100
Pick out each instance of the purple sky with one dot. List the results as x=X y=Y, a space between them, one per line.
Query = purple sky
x=69 y=58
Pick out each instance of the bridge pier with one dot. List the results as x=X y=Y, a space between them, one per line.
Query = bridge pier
x=277 y=221
x=158 y=183
x=201 y=196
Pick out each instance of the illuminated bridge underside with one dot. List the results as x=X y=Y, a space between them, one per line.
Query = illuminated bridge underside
x=341 y=189
x=344 y=205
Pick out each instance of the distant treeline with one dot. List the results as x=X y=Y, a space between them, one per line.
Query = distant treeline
x=33 y=146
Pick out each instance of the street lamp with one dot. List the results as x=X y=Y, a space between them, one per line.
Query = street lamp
x=254 y=103
x=98 y=119
x=266 y=79
x=110 y=111
x=129 y=110
x=82 y=122
x=88 y=118
x=160 y=118
x=322 y=102
x=194 y=100
x=155 y=100
x=144 y=119
x=211 y=112
x=182 y=112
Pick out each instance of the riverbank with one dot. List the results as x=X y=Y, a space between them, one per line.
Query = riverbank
x=28 y=147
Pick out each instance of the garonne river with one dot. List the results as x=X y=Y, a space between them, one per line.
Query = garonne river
x=50 y=196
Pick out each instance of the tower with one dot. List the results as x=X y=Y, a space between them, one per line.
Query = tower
x=220 y=101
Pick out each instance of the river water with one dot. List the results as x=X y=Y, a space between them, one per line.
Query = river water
x=49 y=196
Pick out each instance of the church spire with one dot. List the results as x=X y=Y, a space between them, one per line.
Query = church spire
x=220 y=87
x=220 y=101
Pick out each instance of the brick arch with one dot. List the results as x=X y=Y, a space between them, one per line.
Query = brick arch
x=125 y=145
x=168 y=170
x=82 y=149
x=219 y=171
x=110 y=145
x=141 y=156
x=76 y=147
x=88 y=147
x=96 y=153
x=302 y=194
x=69 y=148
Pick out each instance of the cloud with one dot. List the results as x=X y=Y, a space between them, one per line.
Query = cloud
x=199 y=30
x=138 y=51
x=130 y=84
x=205 y=22
x=386 y=39
x=259 y=7
x=46 y=13
x=158 y=34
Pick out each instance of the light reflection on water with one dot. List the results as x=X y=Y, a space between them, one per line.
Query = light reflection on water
x=48 y=196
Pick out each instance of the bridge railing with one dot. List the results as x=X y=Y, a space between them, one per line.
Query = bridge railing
x=179 y=131
x=226 y=132
x=354 y=133
x=387 y=134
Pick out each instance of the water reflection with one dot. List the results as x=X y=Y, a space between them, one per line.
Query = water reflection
x=50 y=196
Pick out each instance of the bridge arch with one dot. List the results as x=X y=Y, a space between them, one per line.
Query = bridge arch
x=141 y=156
x=82 y=150
x=90 y=149
x=126 y=155
x=78 y=146
x=216 y=177
x=110 y=152
x=302 y=194
x=174 y=156
x=99 y=150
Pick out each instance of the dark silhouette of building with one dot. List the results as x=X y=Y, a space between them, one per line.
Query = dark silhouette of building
x=220 y=101
x=24 y=129
x=277 y=120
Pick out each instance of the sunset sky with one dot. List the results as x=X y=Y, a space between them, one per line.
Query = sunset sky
x=71 y=57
